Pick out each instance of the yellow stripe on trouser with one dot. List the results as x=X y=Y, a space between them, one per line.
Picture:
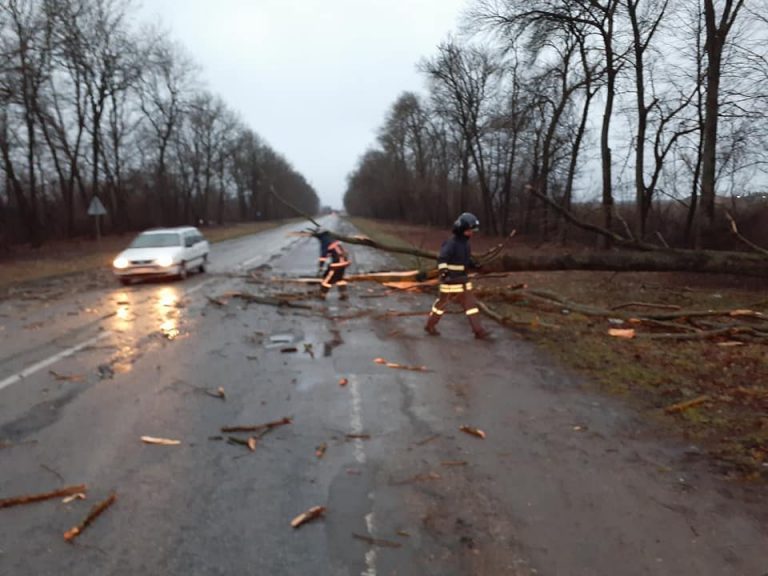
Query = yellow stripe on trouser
x=455 y=288
x=325 y=283
x=436 y=310
x=472 y=311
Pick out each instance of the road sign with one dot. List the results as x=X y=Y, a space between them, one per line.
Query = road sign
x=96 y=208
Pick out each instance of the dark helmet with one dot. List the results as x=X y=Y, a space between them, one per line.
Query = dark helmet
x=466 y=221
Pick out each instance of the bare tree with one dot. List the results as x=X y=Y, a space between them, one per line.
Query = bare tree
x=463 y=84
x=717 y=27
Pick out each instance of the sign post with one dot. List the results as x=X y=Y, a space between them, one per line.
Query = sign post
x=96 y=209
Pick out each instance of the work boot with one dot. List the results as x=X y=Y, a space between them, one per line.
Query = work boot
x=431 y=326
x=431 y=330
x=483 y=334
x=343 y=293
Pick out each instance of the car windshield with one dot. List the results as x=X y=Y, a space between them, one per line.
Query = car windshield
x=160 y=240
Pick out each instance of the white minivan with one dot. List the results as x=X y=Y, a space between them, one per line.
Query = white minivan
x=162 y=252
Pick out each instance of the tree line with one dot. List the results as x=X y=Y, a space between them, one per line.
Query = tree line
x=652 y=114
x=93 y=104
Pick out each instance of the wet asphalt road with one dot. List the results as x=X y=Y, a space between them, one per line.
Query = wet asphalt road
x=565 y=484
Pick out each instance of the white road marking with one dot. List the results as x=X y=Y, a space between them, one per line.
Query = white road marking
x=370 y=556
x=50 y=360
x=358 y=450
x=356 y=419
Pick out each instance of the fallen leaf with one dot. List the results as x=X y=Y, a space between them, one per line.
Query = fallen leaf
x=622 y=332
x=473 y=431
x=252 y=442
x=343 y=382
x=160 y=441
x=320 y=450
x=308 y=516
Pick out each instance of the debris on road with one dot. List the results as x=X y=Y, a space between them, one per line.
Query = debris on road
x=258 y=427
x=308 y=516
x=95 y=512
x=428 y=440
x=106 y=372
x=289 y=350
x=472 y=431
x=403 y=533
x=32 y=498
x=251 y=443
x=66 y=377
x=397 y=366
x=160 y=441
x=254 y=299
x=628 y=333
x=417 y=478
x=218 y=394
x=448 y=463
x=73 y=497
x=377 y=541
x=343 y=382
x=358 y=436
x=683 y=406
x=320 y=450
x=308 y=349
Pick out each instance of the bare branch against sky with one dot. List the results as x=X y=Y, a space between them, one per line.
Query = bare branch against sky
x=314 y=79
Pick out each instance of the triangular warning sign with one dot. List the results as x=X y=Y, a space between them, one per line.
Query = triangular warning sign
x=96 y=208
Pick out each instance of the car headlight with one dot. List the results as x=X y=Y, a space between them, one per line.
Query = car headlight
x=164 y=261
x=120 y=263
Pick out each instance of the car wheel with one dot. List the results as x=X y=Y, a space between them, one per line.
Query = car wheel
x=182 y=271
x=203 y=264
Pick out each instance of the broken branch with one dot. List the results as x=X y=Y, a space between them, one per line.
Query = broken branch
x=309 y=515
x=745 y=240
x=32 y=498
x=683 y=406
x=258 y=427
x=377 y=541
x=95 y=512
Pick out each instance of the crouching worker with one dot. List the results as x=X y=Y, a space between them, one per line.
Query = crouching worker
x=453 y=263
x=331 y=265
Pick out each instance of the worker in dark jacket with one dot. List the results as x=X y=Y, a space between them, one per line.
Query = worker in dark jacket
x=453 y=263
x=332 y=264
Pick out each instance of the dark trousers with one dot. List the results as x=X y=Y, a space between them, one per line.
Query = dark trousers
x=334 y=276
x=461 y=293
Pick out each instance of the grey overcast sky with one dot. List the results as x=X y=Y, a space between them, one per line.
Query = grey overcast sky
x=314 y=78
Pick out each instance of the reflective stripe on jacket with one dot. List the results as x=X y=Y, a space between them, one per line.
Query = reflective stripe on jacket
x=455 y=260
